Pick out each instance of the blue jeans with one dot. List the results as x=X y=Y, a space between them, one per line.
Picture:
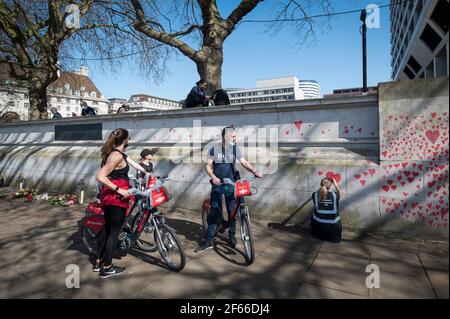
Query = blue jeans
x=215 y=214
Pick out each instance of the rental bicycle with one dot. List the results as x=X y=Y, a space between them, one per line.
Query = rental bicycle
x=147 y=220
x=242 y=188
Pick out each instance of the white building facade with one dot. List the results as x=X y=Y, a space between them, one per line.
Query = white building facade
x=66 y=94
x=310 y=88
x=146 y=103
x=271 y=90
x=115 y=104
x=14 y=99
x=419 y=39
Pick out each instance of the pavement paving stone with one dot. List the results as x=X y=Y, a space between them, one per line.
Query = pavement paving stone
x=398 y=286
x=308 y=291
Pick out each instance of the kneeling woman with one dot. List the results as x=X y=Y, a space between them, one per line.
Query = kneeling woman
x=325 y=221
x=114 y=197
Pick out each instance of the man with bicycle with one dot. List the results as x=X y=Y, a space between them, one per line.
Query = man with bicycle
x=220 y=164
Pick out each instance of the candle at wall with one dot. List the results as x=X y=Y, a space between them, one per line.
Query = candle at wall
x=82 y=197
x=20 y=187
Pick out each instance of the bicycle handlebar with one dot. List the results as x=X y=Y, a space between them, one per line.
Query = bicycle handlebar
x=135 y=191
x=230 y=182
x=159 y=180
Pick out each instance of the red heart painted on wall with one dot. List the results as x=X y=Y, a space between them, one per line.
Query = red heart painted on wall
x=337 y=177
x=298 y=125
x=432 y=136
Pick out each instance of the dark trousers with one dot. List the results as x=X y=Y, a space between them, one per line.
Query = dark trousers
x=107 y=241
x=326 y=232
x=216 y=213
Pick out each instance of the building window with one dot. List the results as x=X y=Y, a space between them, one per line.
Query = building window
x=440 y=15
x=408 y=72
x=413 y=64
x=94 y=95
x=430 y=37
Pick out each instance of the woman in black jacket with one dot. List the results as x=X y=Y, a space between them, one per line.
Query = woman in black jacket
x=197 y=97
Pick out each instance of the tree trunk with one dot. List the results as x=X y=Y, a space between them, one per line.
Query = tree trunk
x=38 y=103
x=210 y=68
x=38 y=92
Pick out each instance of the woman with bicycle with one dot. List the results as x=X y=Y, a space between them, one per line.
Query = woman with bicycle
x=114 y=197
x=325 y=221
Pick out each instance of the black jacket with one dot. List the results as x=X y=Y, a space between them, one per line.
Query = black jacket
x=88 y=111
x=220 y=97
x=197 y=97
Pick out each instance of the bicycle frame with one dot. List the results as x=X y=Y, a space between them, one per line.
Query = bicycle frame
x=145 y=213
x=240 y=202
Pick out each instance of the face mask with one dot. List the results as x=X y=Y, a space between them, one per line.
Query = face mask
x=231 y=142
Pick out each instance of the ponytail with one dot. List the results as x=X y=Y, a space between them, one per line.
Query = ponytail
x=116 y=138
x=325 y=186
x=323 y=193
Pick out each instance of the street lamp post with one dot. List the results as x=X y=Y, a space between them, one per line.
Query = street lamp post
x=364 y=39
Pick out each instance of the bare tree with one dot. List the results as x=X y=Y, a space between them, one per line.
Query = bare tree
x=31 y=34
x=197 y=29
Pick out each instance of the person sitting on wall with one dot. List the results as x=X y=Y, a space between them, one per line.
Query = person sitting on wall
x=197 y=97
x=220 y=97
x=56 y=114
x=325 y=221
x=86 y=110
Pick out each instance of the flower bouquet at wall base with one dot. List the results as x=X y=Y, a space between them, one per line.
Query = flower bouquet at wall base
x=62 y=199
x=27 y=194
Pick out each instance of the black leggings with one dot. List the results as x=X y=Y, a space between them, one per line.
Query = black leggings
x=107 y=241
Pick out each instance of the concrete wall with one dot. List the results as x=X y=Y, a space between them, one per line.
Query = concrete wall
x=306 y=140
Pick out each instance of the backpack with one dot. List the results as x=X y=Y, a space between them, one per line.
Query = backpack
x=220 y=97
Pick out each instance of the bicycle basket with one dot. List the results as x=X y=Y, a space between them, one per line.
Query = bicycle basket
x=159 y=196
x=151 y=181
x=243 y=188
x=94 y=208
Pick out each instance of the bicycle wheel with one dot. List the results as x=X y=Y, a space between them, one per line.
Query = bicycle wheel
x=89 y=240
x=247 y=236
x=170 y=248
x=146 y=239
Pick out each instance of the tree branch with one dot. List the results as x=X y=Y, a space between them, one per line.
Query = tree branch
x=186 y=32
x=244 y=8
x=141 y=25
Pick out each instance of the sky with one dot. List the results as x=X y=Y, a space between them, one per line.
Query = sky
x=334 y=59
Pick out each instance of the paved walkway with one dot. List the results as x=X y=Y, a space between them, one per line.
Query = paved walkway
x=37 y=241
